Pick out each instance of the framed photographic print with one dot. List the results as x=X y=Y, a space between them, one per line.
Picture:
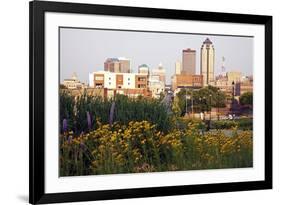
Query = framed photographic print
x=140 y=102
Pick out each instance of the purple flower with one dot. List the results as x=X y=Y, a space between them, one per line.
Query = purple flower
x=111 y=114
x=64 y=125
x=89 y=120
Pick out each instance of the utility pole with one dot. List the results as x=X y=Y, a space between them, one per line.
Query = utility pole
x=185 y=102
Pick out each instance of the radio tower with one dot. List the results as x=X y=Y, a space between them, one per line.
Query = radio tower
x=223 y=65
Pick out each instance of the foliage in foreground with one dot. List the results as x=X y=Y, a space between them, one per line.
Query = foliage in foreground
x=246 y=98
x=81 y=112
x=241 y=124
x=141 y=147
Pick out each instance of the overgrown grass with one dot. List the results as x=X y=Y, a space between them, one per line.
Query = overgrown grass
x=75 y=110
x=141 y=147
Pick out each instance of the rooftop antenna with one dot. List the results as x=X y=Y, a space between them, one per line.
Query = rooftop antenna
x=223 y=65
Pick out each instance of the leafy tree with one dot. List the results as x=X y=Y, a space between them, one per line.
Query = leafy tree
x=246 y=98
x=203 y=99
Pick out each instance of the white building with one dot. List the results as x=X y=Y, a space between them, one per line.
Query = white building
x=156 y=86
x=129 y=80
x=110 y=80
x=91 y=79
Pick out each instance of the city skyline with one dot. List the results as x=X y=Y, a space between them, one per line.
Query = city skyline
x=85 y=50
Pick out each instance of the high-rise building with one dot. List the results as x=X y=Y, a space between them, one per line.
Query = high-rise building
x=112 y=65
x=178 y=68
x=124 y=65
x=117 y=65
x=189 y=61
x=207 y=62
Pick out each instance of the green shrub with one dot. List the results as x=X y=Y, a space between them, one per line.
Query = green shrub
x=245 y=123
x=224 y=124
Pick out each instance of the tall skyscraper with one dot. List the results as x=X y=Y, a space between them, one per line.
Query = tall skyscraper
x=207 y=62
x=189 y=61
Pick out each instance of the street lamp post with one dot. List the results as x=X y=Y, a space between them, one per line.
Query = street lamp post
x=233 y=89
x=200 y=101
x=232 y=100
x=218 y=109
x=185 y=102
x=218 y=113
x=189 y=97
x=204 y=100
x=192 y=104
x=210 y=107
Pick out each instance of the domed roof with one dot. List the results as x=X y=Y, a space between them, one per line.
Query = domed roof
x=143 y=65
x=74 y=76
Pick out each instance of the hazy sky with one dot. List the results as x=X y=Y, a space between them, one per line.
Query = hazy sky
x=85 y=50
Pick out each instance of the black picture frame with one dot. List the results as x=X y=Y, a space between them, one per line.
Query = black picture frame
x=37 y=85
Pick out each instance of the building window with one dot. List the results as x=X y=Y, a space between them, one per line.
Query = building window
x=141 y=79
x=109 y=78
x=128 y=79
x=109 y=83
x=99 y=77
x=98 y=85
x=129 y=83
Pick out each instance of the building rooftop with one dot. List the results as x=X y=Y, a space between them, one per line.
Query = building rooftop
x=143 y=65
x=117 y=59
x=189 y=50
x=112 y=60
x=123 y=58
x=207 y=41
